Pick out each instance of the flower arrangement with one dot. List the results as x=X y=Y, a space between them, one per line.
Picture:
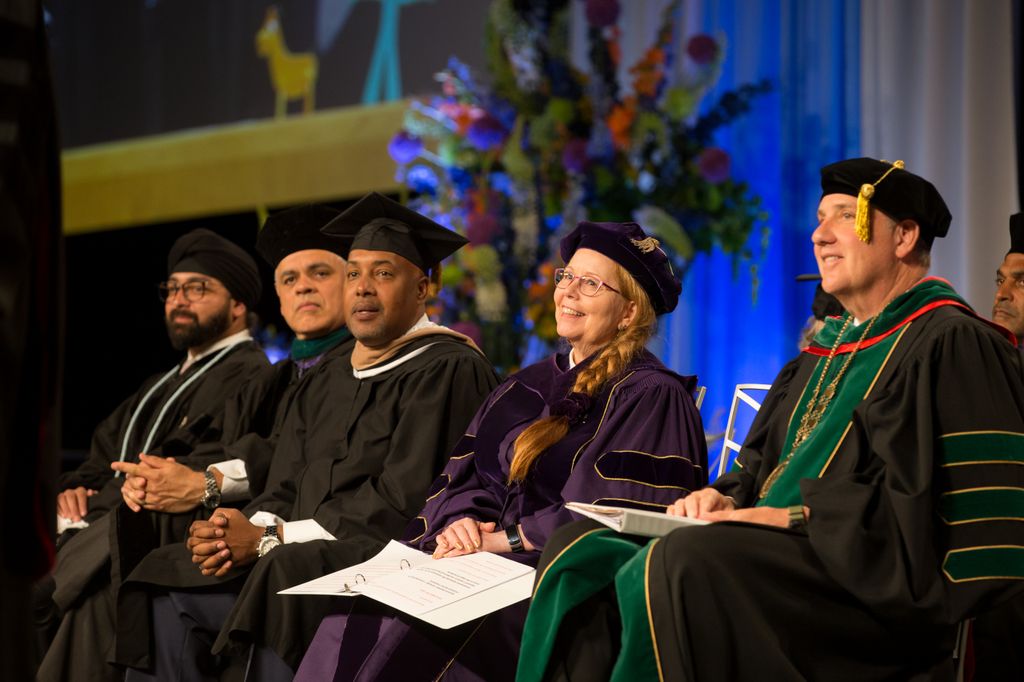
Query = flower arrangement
x=515 y=163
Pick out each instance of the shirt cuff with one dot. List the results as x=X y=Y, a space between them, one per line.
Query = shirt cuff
x=262 y=518
x=64 y=524
x=235 y=485
x=305 y=530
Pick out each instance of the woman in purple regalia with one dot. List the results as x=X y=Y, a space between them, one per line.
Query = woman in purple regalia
x=606 y=422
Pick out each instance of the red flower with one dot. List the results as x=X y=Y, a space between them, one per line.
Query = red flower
x=574 y=155
x=602 y=13
x=481 y=228
x=470 y=329
x=702 y=49
x=714 y=164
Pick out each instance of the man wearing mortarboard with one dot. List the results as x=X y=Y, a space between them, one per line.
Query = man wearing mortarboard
x=874 y=505
x=1008 y=308
x=269 y=415
x=212 y=285
x=413 y=388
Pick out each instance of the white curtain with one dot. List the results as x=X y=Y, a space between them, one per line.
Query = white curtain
x=937 y=91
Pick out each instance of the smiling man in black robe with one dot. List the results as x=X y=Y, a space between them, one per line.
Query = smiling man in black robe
x=413 y=388
x=876 y=503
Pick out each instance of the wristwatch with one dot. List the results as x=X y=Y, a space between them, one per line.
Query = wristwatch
x=515 y=542
x=211 y=497
x=268 y=541
x=797 y=520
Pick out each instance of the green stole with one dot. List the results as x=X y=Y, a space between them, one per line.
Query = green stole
x=303 y=349
x=813 y=456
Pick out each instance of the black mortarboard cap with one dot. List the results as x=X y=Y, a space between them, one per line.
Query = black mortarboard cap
x=296 y=229
x=1016 y=233
x=208 y=253
x=897 y=192
x=376 y=223
x=641 y=256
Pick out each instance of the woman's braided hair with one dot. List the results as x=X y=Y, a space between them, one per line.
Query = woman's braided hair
x=609 y=363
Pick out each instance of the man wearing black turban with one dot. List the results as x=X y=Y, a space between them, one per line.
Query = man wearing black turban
x=212 y=285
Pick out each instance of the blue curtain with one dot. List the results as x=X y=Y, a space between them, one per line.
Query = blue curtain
x=810 y=52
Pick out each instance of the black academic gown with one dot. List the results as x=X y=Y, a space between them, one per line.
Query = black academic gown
x=192 y=418
x=83 y=571
x=267 y=410
x=370 y=451
x=874 y=589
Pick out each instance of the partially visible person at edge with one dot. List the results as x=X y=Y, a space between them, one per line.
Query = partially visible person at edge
x=823 y=306
x=996 y=635
x=31 y=323
x=605 y=422
x=212 y=286
x=871 y=509
x=1008 y=307
x=355 y=481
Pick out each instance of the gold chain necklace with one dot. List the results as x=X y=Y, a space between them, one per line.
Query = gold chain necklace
x=815 y=408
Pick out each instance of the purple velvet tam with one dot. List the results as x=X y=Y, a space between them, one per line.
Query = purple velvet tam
x=901 y=195
x=629 y=246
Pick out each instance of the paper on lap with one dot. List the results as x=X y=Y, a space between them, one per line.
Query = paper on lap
x=443 y=592
x=633 y=521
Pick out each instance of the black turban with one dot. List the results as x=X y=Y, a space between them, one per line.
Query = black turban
x=208 y=253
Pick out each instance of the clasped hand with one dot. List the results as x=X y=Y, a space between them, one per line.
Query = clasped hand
x=160 y=484
x=228 y=539
x=467 y=536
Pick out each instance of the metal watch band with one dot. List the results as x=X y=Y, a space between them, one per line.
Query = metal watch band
x=211 y=496
x=268 y=541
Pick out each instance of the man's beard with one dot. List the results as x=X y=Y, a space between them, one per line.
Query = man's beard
x=190 y=333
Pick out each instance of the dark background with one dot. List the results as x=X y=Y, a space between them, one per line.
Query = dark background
x=123 y=69
x=132 y=68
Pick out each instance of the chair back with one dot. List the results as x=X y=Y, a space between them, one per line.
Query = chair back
x=730 y=446
x=698 y=399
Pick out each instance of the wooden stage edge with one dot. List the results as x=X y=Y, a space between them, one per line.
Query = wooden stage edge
x=327 y=155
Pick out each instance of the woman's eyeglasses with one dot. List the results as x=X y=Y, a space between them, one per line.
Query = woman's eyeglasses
x=589 y=285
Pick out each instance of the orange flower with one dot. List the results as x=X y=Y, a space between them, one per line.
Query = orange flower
x=620 y=122
x=648 y=72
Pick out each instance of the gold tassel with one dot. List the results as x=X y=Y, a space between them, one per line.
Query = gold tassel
x=434 y=282
x=862 y=222
x=863 y=219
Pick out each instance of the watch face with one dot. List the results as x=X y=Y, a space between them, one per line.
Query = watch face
x=267 y=543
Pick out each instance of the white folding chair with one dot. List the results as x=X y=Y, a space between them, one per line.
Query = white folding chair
x=729 y=445
x=699 y=400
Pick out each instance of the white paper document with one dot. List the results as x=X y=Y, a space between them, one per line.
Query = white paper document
x=394 y=558
x=443 y=592
x=633 y=521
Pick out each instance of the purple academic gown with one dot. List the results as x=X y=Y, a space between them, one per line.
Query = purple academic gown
x=639 y=443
